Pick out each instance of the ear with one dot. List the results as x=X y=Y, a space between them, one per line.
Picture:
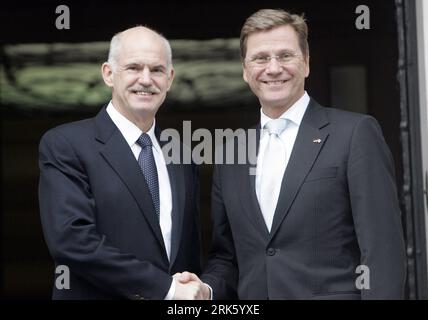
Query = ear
x=107 y=72
x=170 y=78
x=244 y=72
x=307 y=68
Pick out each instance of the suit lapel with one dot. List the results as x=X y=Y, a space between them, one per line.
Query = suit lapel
x=176 y=179
x=118 y=154
x=303 y=156
x=248 y=186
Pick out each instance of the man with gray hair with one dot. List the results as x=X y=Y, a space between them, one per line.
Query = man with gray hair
x=113 y=211
x=320 y=218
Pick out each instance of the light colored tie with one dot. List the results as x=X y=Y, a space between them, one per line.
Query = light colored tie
x=272 y=170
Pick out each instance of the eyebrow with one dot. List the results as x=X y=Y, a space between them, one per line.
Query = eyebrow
x=259 y=53
x=281 y=51
x=139 y=64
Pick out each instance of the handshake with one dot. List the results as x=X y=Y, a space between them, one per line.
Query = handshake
x=189 y=287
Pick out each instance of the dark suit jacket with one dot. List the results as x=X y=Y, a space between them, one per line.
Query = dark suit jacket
x=98 y=217
x=337 y=209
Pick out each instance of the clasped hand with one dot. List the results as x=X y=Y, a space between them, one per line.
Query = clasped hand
x=190 y=287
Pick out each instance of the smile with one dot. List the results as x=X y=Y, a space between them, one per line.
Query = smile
x=142 y=93
x=276 y=82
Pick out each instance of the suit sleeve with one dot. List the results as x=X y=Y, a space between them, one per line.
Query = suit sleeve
x=68 y=215
x=376 y=213
x=221 y=271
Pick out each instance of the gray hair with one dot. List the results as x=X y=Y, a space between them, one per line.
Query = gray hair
x=115 y=49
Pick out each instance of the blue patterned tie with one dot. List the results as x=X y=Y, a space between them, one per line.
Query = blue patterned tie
x=148 y=168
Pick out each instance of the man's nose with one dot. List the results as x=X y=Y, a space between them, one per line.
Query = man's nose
x=145 y=77
x=273 y=66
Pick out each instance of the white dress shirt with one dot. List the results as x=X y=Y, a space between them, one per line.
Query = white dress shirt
x=131 y=133
x=294 y=116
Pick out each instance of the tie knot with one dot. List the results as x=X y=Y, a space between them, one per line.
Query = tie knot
x=144 y=140
x=275 y=126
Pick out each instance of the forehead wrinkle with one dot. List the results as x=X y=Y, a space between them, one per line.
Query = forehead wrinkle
x=147 y=58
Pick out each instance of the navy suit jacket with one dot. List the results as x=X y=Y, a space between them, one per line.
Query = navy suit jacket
x=337 y=209
x=98 y=217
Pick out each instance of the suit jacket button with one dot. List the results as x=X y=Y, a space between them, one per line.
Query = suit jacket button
x=271 y=251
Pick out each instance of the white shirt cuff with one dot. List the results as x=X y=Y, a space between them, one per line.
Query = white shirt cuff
x=171 y=291
x=211 y=291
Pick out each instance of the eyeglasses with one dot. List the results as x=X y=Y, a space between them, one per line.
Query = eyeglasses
x=283 y=59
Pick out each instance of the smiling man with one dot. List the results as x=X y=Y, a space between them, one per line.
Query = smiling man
x=322 y=204
x=121 y=219
x=275 y=68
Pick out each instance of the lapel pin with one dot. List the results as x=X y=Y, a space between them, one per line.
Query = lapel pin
x=317 y=140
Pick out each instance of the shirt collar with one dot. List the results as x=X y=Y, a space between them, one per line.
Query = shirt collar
x=293 y=114
x=129 y=130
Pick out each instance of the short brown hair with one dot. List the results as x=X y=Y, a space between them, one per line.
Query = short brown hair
x=266 y=19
